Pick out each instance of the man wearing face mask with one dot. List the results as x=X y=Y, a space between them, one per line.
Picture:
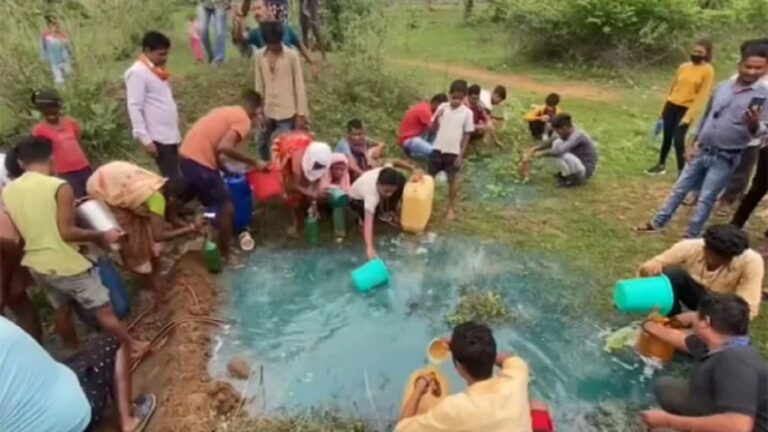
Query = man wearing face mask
x=734 y=117
x=687 y=96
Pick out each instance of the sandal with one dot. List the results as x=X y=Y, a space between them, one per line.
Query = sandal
x=144 y=407
x=648 y=228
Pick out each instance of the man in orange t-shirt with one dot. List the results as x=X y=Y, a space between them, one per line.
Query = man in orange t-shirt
x=218 y=134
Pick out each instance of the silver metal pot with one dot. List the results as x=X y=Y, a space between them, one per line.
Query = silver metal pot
x=95 y=215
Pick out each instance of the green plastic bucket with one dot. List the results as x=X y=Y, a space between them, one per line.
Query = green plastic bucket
x=644 y=295
x=370 y=275
x=338 y=198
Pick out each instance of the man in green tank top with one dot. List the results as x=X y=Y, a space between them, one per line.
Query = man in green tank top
x=42 y=208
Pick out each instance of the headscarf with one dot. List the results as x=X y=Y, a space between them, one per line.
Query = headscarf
x=123 y=184
x=344 y=184
x=316 y=161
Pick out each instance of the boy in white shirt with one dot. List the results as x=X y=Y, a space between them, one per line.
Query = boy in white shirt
x=453 y=121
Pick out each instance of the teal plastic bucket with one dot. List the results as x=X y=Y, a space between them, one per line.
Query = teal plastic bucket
x=370 y=275
x=644 y=295
x=338 y=198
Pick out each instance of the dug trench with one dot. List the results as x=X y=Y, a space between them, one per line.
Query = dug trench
x=180 y=324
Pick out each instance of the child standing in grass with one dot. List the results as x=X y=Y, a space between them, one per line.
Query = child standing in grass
x=454 y=124
x=69 y=160
x=55 y=48
x=193 y=28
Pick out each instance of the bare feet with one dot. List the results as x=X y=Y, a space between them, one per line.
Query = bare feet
x=451 y=215
x=293 y=232
x=131 y=424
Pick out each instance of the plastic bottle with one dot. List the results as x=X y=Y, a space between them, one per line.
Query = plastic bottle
x=212 y=257
x=312 y=225
x=340 y=223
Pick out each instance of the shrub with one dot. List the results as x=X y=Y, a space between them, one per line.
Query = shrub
x=606 y=31
x=102 y=50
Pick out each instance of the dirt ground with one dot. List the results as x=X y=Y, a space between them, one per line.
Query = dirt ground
x=519 y=82
x=177 y=372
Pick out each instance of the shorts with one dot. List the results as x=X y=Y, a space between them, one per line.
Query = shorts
x=94 y=366
x=207 y=184
x=443 y=162
x=84 y=288
x=541 y=421
x=78 y=179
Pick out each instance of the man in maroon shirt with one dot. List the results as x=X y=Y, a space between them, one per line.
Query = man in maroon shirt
x=414 y=129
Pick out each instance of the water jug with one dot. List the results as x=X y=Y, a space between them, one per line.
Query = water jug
x=118 y=294
x=212 y=257
x=417 y=204
x=242 y=198
x=370 y=275
x=95 y=215
x=644 y=295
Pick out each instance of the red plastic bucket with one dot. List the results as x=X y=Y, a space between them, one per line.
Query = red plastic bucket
x=266 y=185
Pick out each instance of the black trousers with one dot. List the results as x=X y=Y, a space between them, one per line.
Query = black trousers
x=756 y=192
x=168 y=160
x=687 y=291
x=675 y=133
x=537 y=128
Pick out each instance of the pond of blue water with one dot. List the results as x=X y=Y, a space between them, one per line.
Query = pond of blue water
x=316 y=342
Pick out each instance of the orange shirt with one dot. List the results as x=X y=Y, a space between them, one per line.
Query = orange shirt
x=203 y=139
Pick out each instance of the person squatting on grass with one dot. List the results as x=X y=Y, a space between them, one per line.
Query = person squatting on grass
x=415 y=135
x=721 y=262
x=733 y=118
x=573 y=150
x=540 y=117
x=727 y=390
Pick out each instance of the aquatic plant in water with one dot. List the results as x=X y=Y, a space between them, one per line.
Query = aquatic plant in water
x=480 y=306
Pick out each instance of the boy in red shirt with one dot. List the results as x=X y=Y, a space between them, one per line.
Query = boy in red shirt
x=69 y=160
x=414 y=128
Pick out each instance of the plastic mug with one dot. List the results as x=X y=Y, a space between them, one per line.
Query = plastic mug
x=438 y=352
x=370 y=275
x=246 y=241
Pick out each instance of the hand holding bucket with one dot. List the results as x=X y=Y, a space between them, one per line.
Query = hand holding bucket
x=370 y=275
x=644 y=295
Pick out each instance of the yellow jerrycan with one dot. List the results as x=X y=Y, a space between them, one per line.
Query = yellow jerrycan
x=417 y=204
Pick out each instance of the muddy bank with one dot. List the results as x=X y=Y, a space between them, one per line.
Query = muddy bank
x=177 y=371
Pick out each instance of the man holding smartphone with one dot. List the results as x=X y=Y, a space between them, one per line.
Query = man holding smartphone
x=734 y=117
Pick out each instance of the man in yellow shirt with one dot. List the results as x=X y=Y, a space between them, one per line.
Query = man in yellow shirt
x=721 y=262
x=489 y=404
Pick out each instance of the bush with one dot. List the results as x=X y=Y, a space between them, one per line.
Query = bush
x=102 y=50
x=606 y=31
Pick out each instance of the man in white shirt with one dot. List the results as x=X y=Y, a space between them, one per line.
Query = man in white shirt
x=454 y=124
x=368 y=191
x=151 y=107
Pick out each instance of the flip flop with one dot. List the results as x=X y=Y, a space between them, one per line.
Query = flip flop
x=144 y=407
x=646 y=229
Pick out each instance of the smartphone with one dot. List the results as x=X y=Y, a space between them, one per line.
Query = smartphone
x=757 y=103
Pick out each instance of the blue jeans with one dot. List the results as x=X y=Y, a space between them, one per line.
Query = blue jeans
x=710 y=172
x=218 y=17
x=272 y=127
x=419 y=147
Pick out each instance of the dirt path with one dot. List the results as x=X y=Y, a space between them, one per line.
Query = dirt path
x=177 y=373
x=571 y=89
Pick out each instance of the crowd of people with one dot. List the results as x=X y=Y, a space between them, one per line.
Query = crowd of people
x=717 y=279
